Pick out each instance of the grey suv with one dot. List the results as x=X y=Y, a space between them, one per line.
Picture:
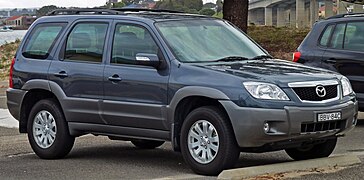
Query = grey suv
x=153 y=76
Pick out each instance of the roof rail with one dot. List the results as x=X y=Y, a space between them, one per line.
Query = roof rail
x=82 y=11
x=347 y=15
x=144 y=10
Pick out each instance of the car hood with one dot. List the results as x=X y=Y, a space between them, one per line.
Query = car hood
x=276 y=71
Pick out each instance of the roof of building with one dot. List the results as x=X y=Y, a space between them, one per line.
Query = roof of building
x=12 y=18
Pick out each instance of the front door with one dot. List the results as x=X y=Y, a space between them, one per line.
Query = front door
x=134 y=94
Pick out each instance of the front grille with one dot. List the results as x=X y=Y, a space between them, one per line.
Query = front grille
x=309 y=93
x=321 y=126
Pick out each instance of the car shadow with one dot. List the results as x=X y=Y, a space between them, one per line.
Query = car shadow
x=124 y=154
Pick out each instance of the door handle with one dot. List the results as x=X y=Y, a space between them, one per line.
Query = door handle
x=331 y=61
x=61 y=74
x=114 y=78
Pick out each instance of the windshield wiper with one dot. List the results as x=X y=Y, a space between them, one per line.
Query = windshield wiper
x=262 y=57
x=231 y=58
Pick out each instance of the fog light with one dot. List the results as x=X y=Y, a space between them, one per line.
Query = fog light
x=266 y=127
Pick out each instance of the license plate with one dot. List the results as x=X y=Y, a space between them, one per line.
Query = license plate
x=329 y=116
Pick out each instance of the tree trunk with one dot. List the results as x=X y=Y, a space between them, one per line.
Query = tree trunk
x=236 y=11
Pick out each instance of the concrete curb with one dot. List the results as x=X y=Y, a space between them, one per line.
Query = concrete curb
x=240 y=173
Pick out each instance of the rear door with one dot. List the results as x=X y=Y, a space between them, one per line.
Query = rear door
x=345 y=53
x=134 y=94
x=79 y=70
x=35 y=57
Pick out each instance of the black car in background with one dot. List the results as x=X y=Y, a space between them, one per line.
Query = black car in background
x=337 y=44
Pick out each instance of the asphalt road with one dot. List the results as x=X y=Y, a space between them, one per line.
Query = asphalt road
x=100 y=158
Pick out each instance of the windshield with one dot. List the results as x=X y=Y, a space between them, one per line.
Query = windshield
x=207 y=40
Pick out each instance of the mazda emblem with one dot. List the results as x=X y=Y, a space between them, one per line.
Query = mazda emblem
x=320 y=91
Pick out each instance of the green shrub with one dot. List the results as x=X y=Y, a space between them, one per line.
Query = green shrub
x=280 y=42
x=7 y=53
x=207 y=12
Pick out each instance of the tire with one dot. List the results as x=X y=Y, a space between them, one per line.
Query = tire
x=147 y=144
x=219 y=136
x=312 y=152
x=58 y=142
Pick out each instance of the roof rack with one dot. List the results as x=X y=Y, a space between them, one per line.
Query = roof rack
x=113 y=11
x=347 y=15
x=82 y=11
x=144 y=10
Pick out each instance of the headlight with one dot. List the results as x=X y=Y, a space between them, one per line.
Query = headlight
x=346 y=86
x=265 y=91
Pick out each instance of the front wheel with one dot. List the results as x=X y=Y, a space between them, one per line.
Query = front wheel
x=48 y=132
x=313 y=151
x=208 y=143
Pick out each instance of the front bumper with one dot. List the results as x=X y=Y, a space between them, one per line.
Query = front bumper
x=286 y=123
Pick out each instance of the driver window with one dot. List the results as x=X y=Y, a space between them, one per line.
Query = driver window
x=129 y=40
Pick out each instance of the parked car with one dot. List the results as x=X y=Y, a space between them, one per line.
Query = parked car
x=337 y=44
x=150 y=76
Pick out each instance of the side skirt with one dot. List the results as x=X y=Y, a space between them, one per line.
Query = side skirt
x=78 y=129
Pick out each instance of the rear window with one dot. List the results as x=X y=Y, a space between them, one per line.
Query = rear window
x=41 y=40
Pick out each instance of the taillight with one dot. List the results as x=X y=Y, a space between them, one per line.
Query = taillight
x=11 y=84
x=296 y=56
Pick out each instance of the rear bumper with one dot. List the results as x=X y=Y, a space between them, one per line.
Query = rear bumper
x=286 y=124
x=14 y=101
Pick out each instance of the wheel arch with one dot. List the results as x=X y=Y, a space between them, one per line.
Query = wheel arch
x=187 y=99
x=36 y=91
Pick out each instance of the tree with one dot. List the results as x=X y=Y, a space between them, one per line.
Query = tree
x=209 y=5
x=118 y=5
x=45 y=10
x=236 y=11
x=219 y=6
x=207 y=12
x=193 y=4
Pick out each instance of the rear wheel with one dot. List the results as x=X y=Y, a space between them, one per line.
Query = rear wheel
x=208 y=143
x=48 y=132
x=147 y=144
x=313 y=151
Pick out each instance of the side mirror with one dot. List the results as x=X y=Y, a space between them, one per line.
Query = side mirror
x=147 y=59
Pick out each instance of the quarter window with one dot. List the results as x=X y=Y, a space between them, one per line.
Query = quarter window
x=86 y=42
x=41 y=40
x=338 y=37
x=326 y=36
x=129 y=40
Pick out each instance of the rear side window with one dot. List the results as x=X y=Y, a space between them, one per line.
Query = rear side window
x=42 y=39
x=86 y=42
x=324 y=41
x=338 y=37
x=354 y=36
